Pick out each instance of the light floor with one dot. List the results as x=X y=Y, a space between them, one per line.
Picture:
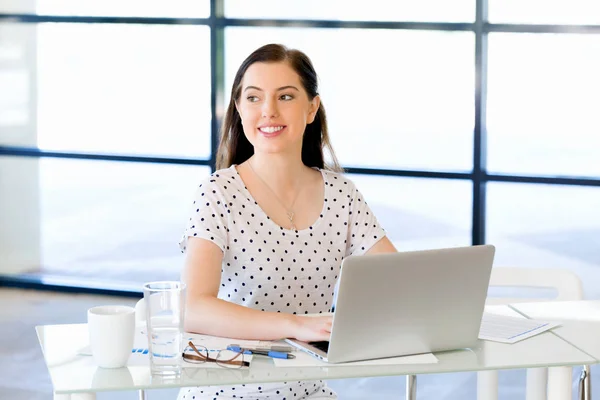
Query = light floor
x=23 y=374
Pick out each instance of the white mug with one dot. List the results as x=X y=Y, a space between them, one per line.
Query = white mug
x=111 y=330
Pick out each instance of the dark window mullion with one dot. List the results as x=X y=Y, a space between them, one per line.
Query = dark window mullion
x=539 y=28
x=217 y=75
x=479 y=132
x=83 y=19
x=14 y=151
x=338 y=24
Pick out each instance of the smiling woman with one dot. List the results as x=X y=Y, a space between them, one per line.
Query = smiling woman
x=269 y=229
x=271 y=80
x=272 y=104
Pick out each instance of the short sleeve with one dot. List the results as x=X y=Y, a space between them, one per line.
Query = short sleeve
x=208 y=215
x=364 y=230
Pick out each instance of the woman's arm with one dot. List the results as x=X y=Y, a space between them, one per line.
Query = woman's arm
x=207 y=314
x=382 y=246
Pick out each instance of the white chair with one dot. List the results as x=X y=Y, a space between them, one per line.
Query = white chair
x=568 y=287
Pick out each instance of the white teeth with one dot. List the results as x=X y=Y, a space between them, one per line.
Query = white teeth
x=271 y=129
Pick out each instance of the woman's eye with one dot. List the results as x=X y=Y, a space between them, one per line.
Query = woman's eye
x=286 y=97
x=252 y=99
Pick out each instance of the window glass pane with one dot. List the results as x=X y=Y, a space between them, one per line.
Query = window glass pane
x=17 y=78
x=543 y=104
x=13 y=102
x=376 y=10
x=544 y=11
x=142 y=89
x=546 y=226
x=104 y=221
x=408 y=107
x=111 y=8
x=419 y=213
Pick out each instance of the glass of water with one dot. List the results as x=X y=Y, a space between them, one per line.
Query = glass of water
x=165 y=310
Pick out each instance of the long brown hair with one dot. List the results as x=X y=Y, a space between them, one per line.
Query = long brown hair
x=234 y=148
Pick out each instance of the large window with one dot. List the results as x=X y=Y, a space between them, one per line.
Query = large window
x=460 y=126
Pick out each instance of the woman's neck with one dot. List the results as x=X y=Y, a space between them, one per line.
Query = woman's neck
x=283 y=174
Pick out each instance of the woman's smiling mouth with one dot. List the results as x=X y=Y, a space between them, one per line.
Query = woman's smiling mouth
x=271 y=131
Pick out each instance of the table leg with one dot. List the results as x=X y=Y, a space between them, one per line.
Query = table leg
x=588 y=382
x=559 y=383
x=536 y=384
x=411 y=387
x=487 y=385
x=142 y=394
x=585 y=384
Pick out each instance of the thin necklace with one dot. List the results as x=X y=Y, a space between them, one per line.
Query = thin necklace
x=288 y=211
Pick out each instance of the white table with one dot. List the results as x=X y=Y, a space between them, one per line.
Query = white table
x=582 y=327
x=77 y=375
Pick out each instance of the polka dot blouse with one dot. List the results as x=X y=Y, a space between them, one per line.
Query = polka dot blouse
x=270 y=268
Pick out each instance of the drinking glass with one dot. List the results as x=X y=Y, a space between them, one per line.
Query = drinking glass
x=165 y=311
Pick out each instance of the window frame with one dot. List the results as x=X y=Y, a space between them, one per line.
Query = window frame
x=217 y=22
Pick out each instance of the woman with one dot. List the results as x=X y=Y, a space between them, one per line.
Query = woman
x=270 y=227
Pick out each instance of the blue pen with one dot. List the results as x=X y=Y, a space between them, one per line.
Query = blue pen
x=268 y=353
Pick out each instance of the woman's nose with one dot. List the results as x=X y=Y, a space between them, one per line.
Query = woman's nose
x=269 y=109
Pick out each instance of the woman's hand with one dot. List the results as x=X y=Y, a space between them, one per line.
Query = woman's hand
x=313 y=328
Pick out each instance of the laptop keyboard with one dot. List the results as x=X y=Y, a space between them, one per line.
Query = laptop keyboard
x=323 y=346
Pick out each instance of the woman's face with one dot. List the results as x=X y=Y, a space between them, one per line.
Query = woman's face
x=275 y=108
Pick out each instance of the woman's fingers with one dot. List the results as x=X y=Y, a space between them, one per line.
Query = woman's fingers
x=314 y=328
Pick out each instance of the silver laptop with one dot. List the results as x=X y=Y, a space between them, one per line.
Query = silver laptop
x=405 y=303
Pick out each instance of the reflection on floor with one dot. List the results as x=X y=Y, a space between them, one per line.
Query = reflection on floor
x=23 y=374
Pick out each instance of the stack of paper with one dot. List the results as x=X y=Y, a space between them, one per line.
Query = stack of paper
x=501 y=328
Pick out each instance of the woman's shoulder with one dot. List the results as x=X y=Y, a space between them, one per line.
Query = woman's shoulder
x=222 y=179
x=333 y=179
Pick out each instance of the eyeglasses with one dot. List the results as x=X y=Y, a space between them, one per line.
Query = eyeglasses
x=198 y=354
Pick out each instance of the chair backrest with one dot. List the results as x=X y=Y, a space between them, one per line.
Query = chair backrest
x=567 y=284
x=140 y=312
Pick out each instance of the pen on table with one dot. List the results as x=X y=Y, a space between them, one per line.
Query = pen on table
x=268 y=353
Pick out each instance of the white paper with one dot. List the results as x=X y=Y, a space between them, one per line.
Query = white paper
x=505 y=329
x=304 y=359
